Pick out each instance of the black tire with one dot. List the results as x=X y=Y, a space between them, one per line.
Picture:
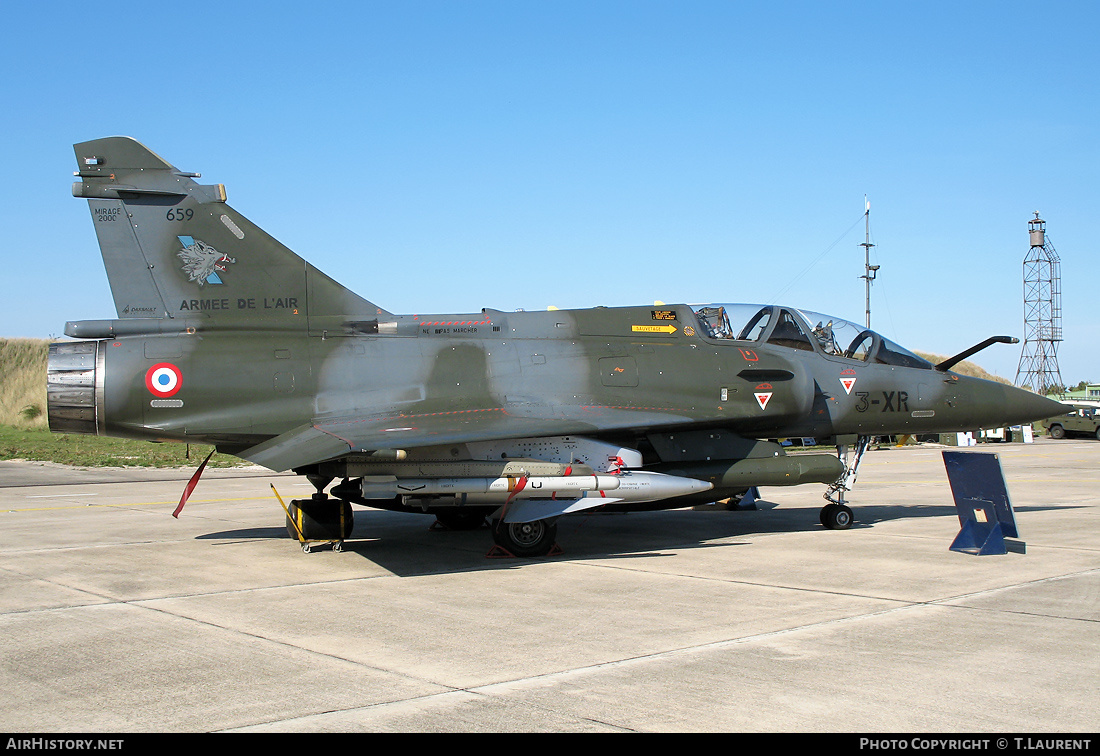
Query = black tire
x=1057 y=431
x=320 y=519
x=836 y=517
x=526 y=539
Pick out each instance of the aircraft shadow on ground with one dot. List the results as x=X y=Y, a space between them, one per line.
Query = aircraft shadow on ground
x=407 y=545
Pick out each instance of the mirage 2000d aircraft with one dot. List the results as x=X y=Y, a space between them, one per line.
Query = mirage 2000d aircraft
x=226 y=337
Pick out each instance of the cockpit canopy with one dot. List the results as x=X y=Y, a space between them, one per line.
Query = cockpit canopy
x=800 y=329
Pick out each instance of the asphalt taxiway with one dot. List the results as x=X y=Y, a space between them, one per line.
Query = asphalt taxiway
x=115 y=617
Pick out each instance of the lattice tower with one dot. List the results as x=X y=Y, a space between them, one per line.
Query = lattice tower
x=1038 y=367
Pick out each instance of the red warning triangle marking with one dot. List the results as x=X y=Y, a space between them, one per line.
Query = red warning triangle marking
x=847 y=383
x=763 y=398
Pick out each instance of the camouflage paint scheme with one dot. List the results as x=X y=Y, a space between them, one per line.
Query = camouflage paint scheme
x=225 y=336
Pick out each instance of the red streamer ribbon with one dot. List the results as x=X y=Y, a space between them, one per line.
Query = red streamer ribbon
x=191 y=485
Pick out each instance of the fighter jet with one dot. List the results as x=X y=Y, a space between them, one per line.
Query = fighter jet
x=226 y=337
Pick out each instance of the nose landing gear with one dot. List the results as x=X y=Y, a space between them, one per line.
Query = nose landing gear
x=837 y=515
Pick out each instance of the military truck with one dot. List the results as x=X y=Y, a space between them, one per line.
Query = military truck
x=1081 y=419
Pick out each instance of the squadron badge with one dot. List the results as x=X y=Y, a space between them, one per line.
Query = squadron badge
x=848 y=380
x=201 y=262
x=763 y=394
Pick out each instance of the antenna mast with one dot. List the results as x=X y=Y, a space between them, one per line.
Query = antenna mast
x=1042 y=313
x=869 y=270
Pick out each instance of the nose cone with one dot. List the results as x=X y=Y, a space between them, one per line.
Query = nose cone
x=979 y=403
x=1022 y=406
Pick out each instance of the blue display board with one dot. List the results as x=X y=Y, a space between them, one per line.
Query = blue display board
x=981 y=500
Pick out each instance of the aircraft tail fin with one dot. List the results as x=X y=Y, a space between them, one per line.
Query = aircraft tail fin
x=174 y=249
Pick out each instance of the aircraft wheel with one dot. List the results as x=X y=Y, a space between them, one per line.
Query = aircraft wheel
x=526 y=539
x=320 y=519
x=1057 y=431
x=836 y=517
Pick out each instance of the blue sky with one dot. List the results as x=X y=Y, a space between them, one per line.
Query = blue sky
x=449 y=156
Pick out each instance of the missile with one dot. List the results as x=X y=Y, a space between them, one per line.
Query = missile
x=362 y=465
x=634 y=486
x=643 y=485
x=527 y=498
x=522 y=486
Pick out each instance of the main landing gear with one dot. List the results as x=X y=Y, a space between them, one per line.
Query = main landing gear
x=526 y=539
x=319 y=518
x=837 y=515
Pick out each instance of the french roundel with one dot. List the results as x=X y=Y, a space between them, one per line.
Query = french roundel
x=163 y=379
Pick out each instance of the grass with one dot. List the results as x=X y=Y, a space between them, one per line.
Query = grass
x=23 y=382
x=39 y=444
x=965 y=368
